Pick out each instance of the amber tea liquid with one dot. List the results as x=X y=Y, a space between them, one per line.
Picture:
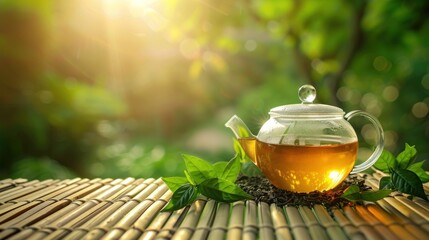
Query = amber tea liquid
x=302 y=168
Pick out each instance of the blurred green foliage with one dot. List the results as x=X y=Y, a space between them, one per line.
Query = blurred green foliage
x=111 y=88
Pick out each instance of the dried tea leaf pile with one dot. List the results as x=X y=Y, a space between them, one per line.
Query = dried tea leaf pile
x=264 y=191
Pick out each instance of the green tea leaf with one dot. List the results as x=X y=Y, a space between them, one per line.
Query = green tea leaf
x=353 y=197
x=407 y=181
x=404 y=158
x=239 y=150
x=173 y=183
x=189 y=177
x=386 y=161
x=419 y=171
x=198 y=169
x=373 y=196
x=219 y=167
x=231 y=171
x=222 y=191
x=385 y=183
x=353 y=193
x=182 y=197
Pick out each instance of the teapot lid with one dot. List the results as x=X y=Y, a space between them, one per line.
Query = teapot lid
x=307 y=109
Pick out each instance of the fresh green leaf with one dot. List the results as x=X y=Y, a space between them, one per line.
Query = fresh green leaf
x=353 y=197
x=407 y=181
x=189 y=177
x=386 y=161
x=219 y=167
x=385 y=183
x=353 y=193
x=404 y=158
x=419 y=171
x=198 y=169
x=174 y=183
x=222 y=191
x=182 y=197
x=373 y=196
x=239 y=150
x=231 y=171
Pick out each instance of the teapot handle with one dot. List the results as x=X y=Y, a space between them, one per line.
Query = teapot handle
x=380 y=140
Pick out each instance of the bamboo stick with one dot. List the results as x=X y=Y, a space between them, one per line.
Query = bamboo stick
x=390 y=231
x=204 y=224
x=413 y=206
x=146 y=218
x=16 y=193
x=250 y=229
x=332 y=228
x=187 y=228
x=220 y=222
x=21 y=235
x=93 y=212
x=145 y=210
x=90 y=209
x=150 y=232
x=408 y=213
x=170 y=227
x=235 y=227
x=297 y=225
x=279 y=221
x=357 y=220
x=154 y=228
x=351 y=231
x=412 y=227
x=396 y=224
x=316 y=230
x=150 y=191
x=8 y=232
x=266 y=228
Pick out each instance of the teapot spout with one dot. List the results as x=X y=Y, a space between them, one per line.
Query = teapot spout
x=238 y=127
x=246 y=139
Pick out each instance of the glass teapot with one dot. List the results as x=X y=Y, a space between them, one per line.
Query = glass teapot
x=306 y=147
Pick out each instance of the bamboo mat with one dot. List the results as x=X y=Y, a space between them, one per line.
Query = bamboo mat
x=130 y=209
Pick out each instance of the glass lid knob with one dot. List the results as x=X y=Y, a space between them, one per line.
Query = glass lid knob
x=307 y=93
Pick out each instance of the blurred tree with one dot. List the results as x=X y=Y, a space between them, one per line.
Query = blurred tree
x=43 y=114
x=370 y=55
x=104 y=85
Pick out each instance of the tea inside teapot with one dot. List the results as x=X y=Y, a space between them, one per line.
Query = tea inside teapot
x=302 y=168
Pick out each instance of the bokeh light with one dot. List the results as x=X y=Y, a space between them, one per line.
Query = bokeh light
x=118 y=88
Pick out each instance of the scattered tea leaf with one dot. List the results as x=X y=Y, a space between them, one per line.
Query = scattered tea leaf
x=232 y=169
x=419 y=171
x=173 y=183
x=221 y=190
x=386 y=161
x=198 y=169
x=182 y=197
x=404 y=158
x=407 y=181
